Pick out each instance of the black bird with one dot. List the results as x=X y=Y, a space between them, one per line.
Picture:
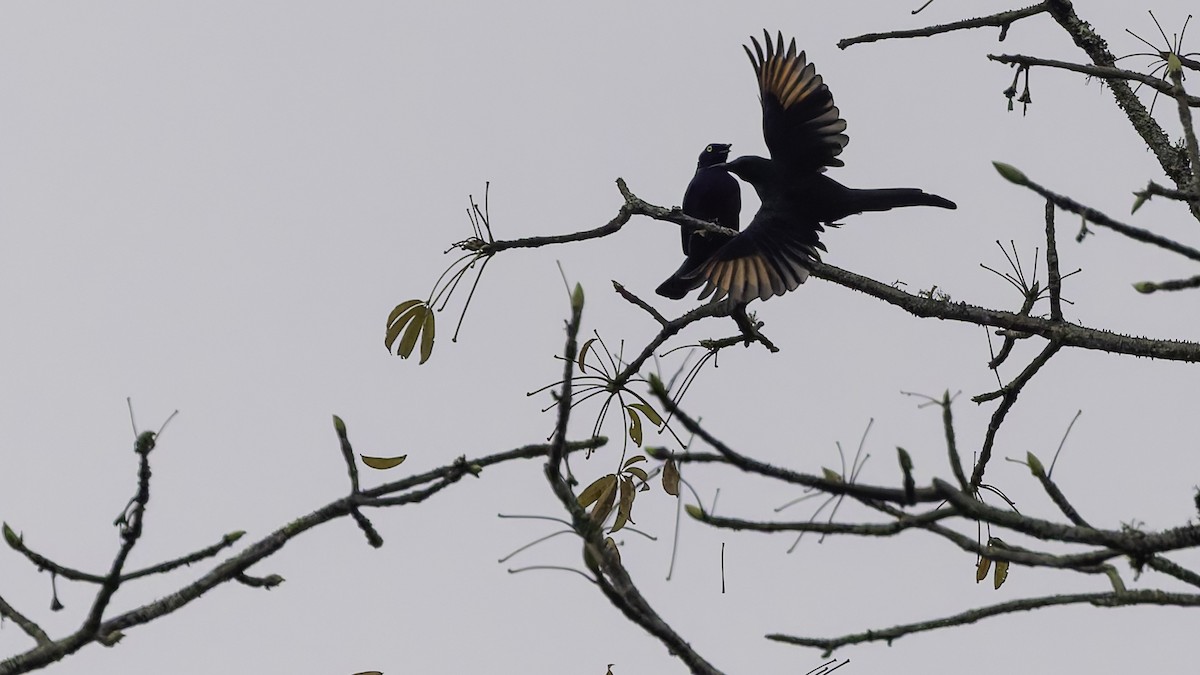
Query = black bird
x=804 y=134
x=713 y=195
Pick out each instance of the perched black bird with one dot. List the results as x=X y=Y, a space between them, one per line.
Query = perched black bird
x=803 y=132
x=713 y=195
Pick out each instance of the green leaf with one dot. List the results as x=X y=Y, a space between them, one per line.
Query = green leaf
x=831 y=475
x=427 y=338
x=633 y=460
x=906 y=466
x=649 y=412
x=1142 y=198
x=577 y=298
x=1145 y=287
x=1035 y=464
x=639 y=472
x=656 y=384
x=11 y=537
x=1011 y=173
x=694 y=511
x=339 y=426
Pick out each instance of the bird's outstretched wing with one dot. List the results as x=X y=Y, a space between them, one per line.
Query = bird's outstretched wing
x=801 y=126
x=761 y=262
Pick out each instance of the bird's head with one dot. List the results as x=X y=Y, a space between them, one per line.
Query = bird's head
x=753 y=170
x=714 y=153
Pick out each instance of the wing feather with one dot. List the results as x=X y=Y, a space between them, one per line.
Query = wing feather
x=801 y=125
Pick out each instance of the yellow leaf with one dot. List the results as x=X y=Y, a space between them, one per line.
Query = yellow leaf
x=694 y=511
x=831 y=475
x=382 y=462
x=981 y=571
x=639 y=472
x=592 y=492
x=395 y=327
x=1001 y=573
x=670 y=478
x=427 y=338
x=612 y=546
x=400 y=309
x=649 y=412
x=583 y=352
x=634 y=460
x=413 y=331
x=604 y=504
x=1174 y=64
x=625 y=510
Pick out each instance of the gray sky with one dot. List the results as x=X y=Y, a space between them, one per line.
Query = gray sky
x=212 y=207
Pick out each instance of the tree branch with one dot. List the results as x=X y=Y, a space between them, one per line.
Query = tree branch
x=1128 y=598
x=1001 y=20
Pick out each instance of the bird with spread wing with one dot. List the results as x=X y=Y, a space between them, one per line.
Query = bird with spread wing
x=804 y=133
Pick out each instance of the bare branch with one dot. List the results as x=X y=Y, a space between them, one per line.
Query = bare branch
x=1068 y=334
x=1168 y=285
x=30 y=627
x=1128 y=598
x=234 y=568
x=1052 y=272
x=1172 y=160
x=1098 y=218
x=1009 y=395
x=1001 y=20
x=1131 y=542
x=1102 y=72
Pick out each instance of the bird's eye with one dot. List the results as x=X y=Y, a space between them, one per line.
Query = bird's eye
x=708 y=149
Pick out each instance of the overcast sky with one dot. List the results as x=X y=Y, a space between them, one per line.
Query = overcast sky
x=212 y=207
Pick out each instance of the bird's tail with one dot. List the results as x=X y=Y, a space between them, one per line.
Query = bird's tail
x=682 y=281
x=891 y=198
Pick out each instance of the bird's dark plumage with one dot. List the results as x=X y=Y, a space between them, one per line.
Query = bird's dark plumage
x=803 y=131
x=713 y=195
